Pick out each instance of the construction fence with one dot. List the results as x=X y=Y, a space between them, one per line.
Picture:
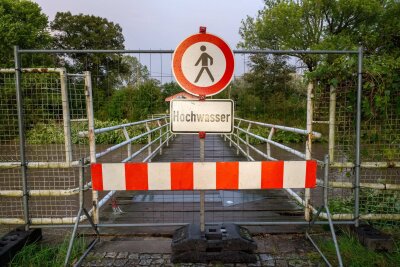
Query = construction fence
x=55 y=116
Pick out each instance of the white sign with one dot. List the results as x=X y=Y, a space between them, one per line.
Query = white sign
x=193 y=116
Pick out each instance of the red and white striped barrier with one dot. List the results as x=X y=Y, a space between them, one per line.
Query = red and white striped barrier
x=204 y=175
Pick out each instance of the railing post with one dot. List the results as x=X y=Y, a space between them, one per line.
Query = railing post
x=160 y=132
x=129 y=146
x=148 y=140
x=247 y=141
x=167 y=129
x=271 y=134
x=66 y=116
x=92 y=139
x=21 y=131
x=307 y=195
x=237 y=138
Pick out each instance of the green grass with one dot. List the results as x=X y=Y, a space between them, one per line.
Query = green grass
x=354 y=254
x=51 y=255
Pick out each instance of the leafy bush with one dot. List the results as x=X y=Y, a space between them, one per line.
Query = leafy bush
x=53 y=133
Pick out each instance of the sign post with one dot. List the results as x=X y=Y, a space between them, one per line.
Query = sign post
x=203 y=65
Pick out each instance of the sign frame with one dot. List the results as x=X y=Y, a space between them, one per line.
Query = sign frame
x=188 y=86
x=232 y=113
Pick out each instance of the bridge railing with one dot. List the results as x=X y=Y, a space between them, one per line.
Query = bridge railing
x=242 y=137
x=158 y=127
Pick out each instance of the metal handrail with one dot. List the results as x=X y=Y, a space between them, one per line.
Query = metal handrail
x=281 y=127
x=115 y=147
x=120 y=126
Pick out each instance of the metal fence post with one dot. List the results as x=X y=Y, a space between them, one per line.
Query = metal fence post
x=21 y=130
x=358 y=139
x=92 y=139
x=332 y=116
x=66 y=116
x=307 y=193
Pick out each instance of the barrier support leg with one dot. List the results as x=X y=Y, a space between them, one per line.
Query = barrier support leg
x=78 y=217
x=331 y=226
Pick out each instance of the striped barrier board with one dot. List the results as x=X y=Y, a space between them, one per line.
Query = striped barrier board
x=204 y=175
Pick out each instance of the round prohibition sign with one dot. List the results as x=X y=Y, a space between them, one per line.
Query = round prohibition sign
x=203 y=64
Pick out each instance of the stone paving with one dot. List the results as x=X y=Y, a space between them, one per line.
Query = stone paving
x=273 y=250
x=143 y=259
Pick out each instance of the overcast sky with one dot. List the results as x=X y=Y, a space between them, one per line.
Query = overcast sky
x=163 y=24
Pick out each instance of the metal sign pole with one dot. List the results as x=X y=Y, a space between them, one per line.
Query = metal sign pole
x=202 y=136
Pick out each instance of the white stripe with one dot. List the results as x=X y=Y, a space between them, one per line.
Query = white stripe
x=249 y=175
x=159 y=175
x=114 y=176
x=294 y=174
x=204 y=175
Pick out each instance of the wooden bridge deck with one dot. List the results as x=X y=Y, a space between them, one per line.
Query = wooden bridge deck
x=220 y=206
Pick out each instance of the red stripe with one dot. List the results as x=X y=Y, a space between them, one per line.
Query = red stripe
x=227 y=175
x=97 y=176
x=136 y=177
x=311 y=174
x=271 y=174
x=181 y=175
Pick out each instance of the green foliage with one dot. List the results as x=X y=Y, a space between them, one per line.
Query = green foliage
x=310 y=24
x=133 y=103
x=53 y=133
x=22 y=23
x=135 y=74
x=371 y=201
x=354 y=254
x=92 y=32
x=43 y=255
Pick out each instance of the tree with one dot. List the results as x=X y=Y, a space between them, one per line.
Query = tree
x=91 y=32
x=22 y=23
x=309 y=24
x=136 y=72
x=269 y=74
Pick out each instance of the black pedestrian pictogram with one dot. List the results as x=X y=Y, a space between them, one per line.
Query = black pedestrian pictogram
x=204 y=58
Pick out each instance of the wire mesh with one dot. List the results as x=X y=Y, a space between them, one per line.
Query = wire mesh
x=132 y=87
x=10 y=177
x=379 y=144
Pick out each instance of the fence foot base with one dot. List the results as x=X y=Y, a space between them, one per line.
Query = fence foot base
x=227 y=243
x=372 y=238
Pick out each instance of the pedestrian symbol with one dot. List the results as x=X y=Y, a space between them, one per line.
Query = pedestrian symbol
x=204 y=58
x=203 y=64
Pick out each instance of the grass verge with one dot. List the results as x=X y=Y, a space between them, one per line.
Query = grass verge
x=47 y=255
x=354 y=254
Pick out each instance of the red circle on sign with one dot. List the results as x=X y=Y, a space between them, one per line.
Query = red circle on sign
x=189 y=86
